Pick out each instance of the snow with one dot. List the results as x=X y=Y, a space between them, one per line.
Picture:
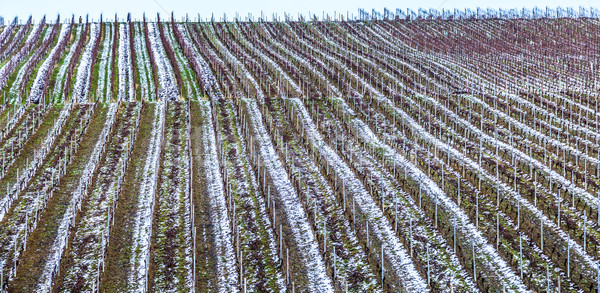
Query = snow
x=32 y=167
x=226 y=264
x=519 y=155
x=57 y=249
x=39 y=82
x=103 y=91
x=8 y=67
x=142 y=232
x=126 y=86
x=166 y=79
x=291 y=205
x=60 y=77
x=143 y=64
x=84 y=70
x=395 y=253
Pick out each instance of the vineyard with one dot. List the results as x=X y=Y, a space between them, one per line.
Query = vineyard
x=393 y=152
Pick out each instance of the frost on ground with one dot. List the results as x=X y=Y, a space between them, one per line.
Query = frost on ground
x=126 y=86
x=142 y=231
x=40 y=81
x=287 y=198
x=166 y=78
x=68 y=218
x=226 y=265
x=394 y=252
x=82 y=81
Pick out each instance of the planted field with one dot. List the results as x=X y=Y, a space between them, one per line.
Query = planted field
x=412 y=152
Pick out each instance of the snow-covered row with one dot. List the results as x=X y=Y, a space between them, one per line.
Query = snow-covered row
x=172 y=254
x=308 y=249
x=57 y=248
x=7 y=69
x=57 y=94
x=7 y=30
x=39 y=82
x=104 y=68
x=84 y=70
x=126 y=86
x=191 y=85
x=143 y=64
x=14 y=91
x=226 y=265
x=394 y=252
x=200 y=65
x=166 y=79
x=142 y=231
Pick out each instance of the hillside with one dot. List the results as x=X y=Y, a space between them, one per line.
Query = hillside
x=412 y=153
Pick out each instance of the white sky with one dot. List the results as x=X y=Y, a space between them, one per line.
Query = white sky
x=37 y=8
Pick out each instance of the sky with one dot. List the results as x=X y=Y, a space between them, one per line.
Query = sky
x=37 y=8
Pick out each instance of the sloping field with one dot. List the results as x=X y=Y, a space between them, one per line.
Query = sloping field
x=415 y=153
